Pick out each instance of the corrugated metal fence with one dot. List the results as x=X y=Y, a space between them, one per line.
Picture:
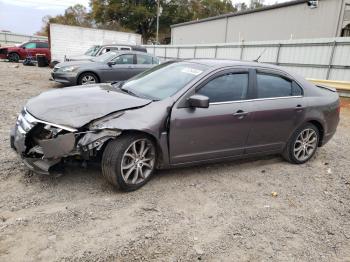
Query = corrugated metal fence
x=313 y=58
x=7 y=38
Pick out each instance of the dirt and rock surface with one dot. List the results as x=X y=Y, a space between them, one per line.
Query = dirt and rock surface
x=221 y=212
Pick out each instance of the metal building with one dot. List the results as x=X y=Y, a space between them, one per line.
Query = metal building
x=297 y=19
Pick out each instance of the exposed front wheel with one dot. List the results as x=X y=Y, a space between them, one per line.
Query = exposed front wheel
x=13 y=57
x=129 y=161
x=87 y=79
x=302 y=145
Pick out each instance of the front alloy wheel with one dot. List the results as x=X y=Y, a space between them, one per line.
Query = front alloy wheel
x=138 y=162
x=129 y=161
x=88 y=79
x=13 y=57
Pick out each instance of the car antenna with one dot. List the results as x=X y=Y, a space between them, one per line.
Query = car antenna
x=257 y=60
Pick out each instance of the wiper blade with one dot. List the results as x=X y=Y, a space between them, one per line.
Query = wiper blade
x=128 y=91
x=118 y=84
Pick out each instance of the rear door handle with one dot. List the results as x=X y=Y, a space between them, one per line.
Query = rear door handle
x=240 y=114
x=299 y=108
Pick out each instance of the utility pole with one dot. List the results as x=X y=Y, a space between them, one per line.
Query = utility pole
x=157 y=21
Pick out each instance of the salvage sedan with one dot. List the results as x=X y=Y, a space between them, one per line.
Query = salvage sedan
x=110 y=67
x=177 y=114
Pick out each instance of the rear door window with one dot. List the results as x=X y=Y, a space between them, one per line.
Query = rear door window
x=226 y=88
x=144 y=59
x=42 y=45
x=271 y=85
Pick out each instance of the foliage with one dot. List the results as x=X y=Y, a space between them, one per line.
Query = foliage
x=140 y=16
x=74 y=15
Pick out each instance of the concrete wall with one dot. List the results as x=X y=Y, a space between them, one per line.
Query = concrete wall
x=74 y=40
x=296 y=22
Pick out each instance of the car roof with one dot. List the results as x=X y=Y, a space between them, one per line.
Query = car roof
x=139 y=46
x=122 y=52
x=219 y=63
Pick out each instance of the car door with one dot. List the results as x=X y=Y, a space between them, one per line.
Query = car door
x=29 y=49
x=279 y=107
x=121 y=69
x=143 y=62
x=219 y=131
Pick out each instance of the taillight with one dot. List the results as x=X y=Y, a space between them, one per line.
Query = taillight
x=338 y=109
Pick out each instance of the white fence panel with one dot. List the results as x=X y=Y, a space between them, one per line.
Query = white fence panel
x=305 y=54
x=268 y=54
x=186 y=53
x=7 y=38
x=327 y=58
x=228 y=53
x=205 y=52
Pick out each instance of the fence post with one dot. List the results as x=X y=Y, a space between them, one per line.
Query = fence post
x=242 y=49
x=5 y=34
x=165 y=52
x=195 y=51
x=216 y=51
x=331 y=59
x=178 y=52
x=278 y=54
x=154 y=50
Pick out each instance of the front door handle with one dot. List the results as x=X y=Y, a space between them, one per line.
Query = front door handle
x=240 y=114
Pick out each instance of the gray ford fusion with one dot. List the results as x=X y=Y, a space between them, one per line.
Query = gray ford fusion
x=176 y=114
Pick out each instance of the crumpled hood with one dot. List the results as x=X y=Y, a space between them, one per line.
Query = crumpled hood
x=79 y=105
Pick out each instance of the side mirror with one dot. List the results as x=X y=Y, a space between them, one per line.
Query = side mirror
x=23 y=47
x=199 y=101
x=110 y=63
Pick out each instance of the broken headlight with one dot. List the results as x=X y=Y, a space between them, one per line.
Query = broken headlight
x=100 y=123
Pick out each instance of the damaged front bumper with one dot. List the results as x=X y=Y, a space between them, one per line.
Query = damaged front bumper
x=41 y=145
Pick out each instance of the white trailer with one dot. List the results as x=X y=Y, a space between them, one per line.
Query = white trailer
x=69 y=41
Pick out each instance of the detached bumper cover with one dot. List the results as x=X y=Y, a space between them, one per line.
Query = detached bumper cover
x=53 y=149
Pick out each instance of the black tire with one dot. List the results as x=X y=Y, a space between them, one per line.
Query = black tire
x=87 y=75
x=112 y=161
x=53 y=64
x=288 y=153
x=13 y=57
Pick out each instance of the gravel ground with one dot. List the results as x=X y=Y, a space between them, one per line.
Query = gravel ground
x=221 y=212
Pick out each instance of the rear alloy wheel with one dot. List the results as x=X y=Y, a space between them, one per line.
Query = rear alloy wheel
x=88 y=79
x=129 y=161
x=13 y=57
x=303 y=144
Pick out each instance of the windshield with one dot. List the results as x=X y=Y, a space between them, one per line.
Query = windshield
x=163 y=80
x=105 y=57
x=92 y=51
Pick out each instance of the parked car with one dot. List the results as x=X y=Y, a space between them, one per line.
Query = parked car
x=98 y=50
x=177 y=114
x=27 y=49
x=110 y=67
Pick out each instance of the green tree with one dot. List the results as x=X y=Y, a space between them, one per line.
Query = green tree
x=254 y=4
x=74 y=15
x=140 y=15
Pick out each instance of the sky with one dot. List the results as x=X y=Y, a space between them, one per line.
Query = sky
x=25 y=16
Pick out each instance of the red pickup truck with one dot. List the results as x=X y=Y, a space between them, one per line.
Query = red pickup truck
x=27 y=49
